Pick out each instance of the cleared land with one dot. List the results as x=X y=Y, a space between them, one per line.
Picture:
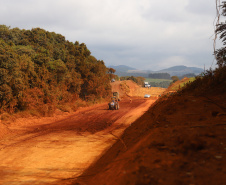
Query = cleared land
x=53 y=152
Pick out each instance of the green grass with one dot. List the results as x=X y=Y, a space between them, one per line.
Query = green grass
x=156 y=80
x=182 y=84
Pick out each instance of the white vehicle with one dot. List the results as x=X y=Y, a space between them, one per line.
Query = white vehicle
x=147 y=95
x=146 y=84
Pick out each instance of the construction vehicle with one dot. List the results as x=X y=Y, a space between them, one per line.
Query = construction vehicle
x=116 y=95
x=113 y=105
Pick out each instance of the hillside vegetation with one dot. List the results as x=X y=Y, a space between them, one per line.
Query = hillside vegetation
x=178 y=85
x=42 y=71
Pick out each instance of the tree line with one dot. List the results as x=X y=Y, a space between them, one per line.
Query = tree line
x=167 y=76
x=42 y=69
x=159 y=75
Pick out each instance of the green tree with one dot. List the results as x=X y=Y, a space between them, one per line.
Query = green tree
x=221 y=29
x=47 y=69
x=111 y=72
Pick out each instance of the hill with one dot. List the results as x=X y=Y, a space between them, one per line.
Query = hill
x=42 y=72
x=129 y=88
x=181 y=70
x=178 y=85
x=123 y=70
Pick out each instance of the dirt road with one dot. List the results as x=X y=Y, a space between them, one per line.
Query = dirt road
x=46 y=153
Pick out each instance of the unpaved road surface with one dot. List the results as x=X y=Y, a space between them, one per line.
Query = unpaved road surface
x=46 y=153
x=180 y=140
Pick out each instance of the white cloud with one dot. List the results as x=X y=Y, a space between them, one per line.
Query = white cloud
x=137 y=33
x=201 y=7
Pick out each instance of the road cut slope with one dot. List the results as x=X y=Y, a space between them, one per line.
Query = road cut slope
x=179 y=140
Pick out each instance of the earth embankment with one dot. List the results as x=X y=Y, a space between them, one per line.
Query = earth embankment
x=179 y=140
x=129 y=88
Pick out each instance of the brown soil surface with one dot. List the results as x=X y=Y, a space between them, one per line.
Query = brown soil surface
x=178 y=141
x=129 y=88
x=56 y=149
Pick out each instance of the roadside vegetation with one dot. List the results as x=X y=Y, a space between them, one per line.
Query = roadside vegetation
x=41 y=71
x=177 y=85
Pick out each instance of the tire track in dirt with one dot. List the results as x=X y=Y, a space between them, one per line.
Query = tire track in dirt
x=43 y=154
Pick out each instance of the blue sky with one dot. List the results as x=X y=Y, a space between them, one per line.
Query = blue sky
x=144 y=34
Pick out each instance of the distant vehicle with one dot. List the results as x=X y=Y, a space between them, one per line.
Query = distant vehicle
x=116 y=95
x=146 y=84
x=147 y=96
x=113 y=105
x=113 y=80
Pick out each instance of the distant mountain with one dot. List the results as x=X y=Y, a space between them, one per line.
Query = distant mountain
x=181 y=70
x=123 y=70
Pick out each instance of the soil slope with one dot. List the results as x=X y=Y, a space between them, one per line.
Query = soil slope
x=179 y=140
x=129 y=88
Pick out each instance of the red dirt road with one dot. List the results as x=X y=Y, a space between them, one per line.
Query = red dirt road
x=46 y=153
x=180 y=140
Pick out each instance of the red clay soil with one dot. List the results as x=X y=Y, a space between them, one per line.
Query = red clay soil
x=128 y=88
x=57 y=150
x=178 y=141
x=47 y=152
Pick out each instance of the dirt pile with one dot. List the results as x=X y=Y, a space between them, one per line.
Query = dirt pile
x=179 y=140
x=129 y=88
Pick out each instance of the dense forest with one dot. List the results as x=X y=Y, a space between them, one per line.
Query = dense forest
x=163 y=84
x=41 y=70
x=159 y=75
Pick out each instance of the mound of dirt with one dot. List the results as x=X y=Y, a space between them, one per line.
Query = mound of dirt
x=128 y=88
x=179 y=140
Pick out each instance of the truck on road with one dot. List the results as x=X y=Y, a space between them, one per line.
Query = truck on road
x=113 y=105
